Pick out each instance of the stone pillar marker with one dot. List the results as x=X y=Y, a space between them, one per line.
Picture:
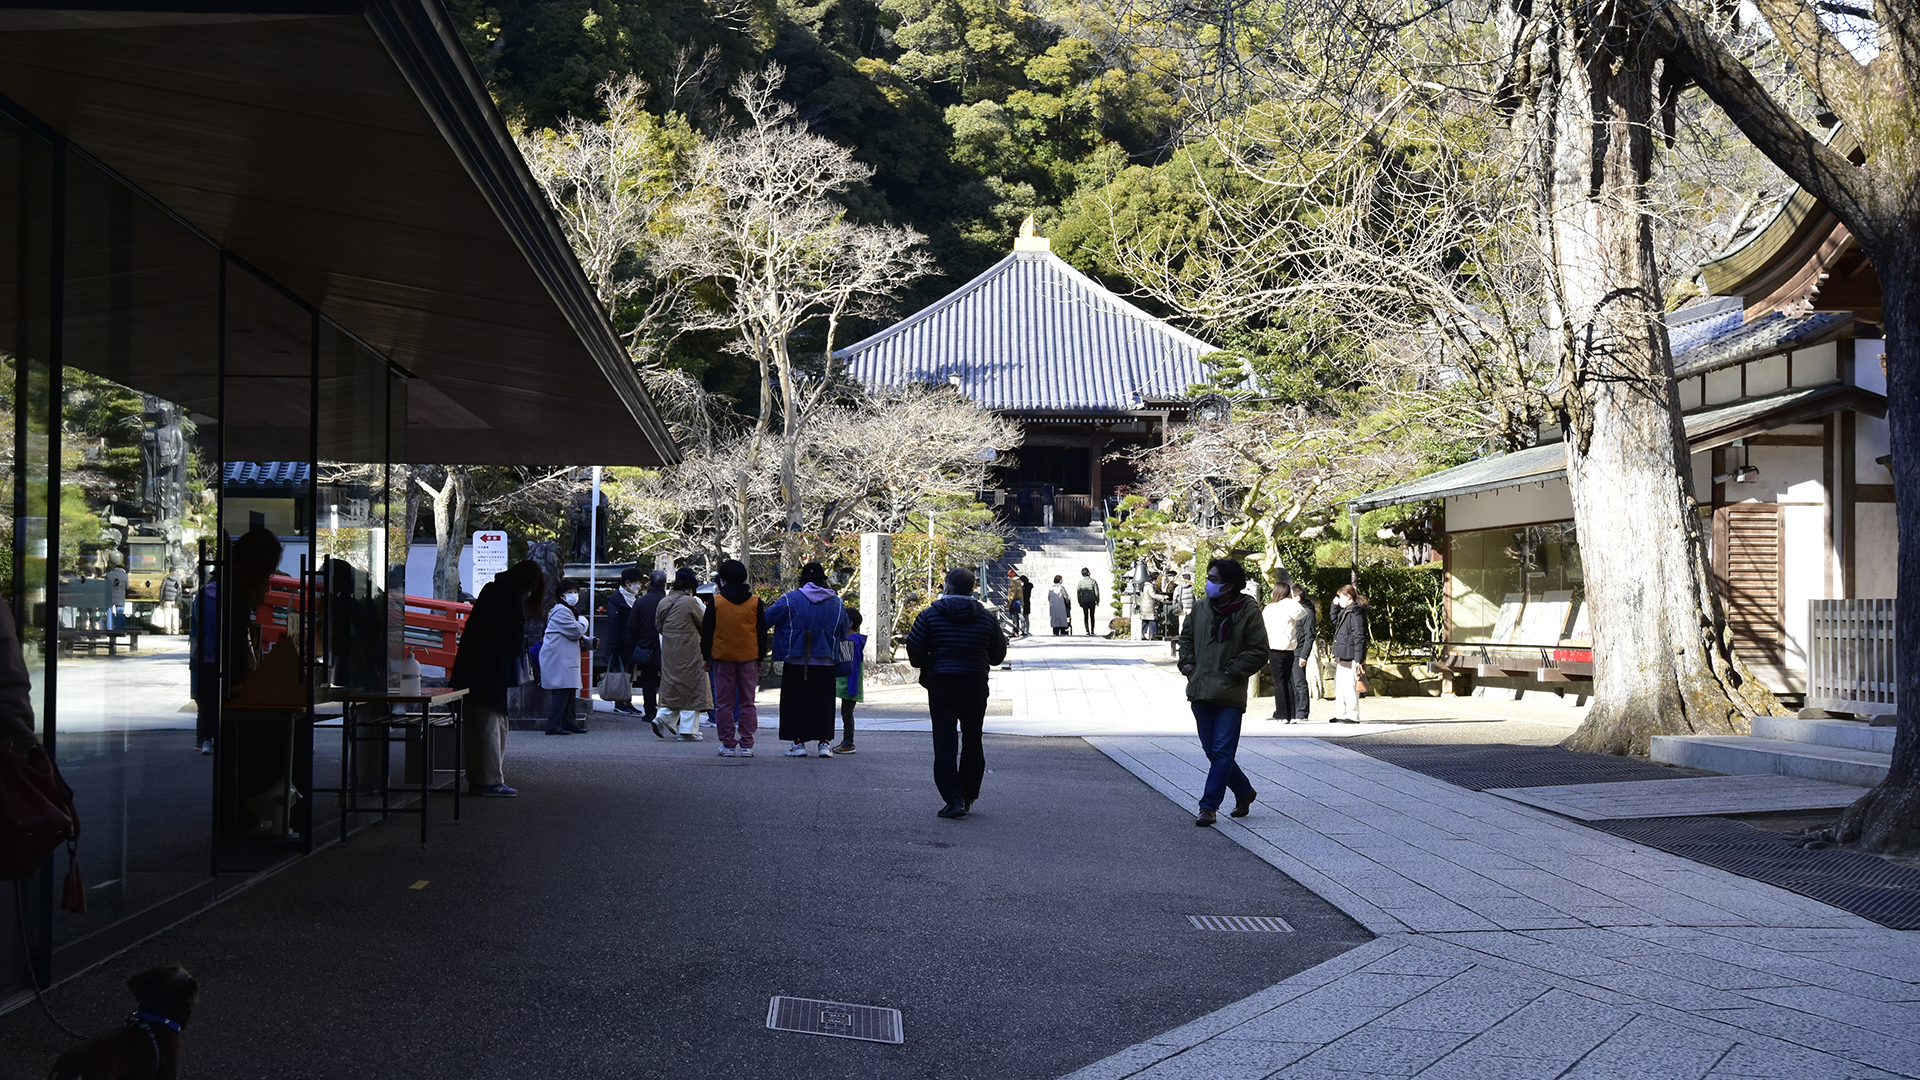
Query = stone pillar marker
x=876 y=595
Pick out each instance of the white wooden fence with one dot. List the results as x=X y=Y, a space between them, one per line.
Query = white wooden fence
x=1850 y=666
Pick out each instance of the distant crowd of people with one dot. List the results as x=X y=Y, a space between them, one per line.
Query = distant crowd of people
x=687 y=656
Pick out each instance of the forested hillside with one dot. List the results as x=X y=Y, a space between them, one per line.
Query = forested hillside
x=973 y=113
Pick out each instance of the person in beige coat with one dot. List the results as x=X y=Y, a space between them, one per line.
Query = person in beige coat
x=684 y=686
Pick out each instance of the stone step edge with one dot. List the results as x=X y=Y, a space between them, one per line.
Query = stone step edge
x=1839 y=734
x=1745 y=755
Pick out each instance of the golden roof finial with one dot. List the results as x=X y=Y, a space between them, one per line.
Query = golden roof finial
x=1030 y=238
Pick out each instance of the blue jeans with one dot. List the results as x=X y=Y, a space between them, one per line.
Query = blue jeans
x=1220 y=737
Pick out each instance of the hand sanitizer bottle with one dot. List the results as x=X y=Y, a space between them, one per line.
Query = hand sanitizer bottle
x=410 y=675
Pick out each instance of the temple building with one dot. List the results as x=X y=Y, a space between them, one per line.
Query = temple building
x=1087 y=375
x=1782 y=387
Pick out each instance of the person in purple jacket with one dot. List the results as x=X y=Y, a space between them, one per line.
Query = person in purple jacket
x=808 y=625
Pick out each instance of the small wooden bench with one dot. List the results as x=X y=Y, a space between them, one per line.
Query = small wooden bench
x=93 y=639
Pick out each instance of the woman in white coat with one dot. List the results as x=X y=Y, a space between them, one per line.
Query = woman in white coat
x=1060 y=607
x=560 y=660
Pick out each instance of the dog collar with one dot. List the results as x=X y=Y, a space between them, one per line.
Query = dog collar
x=143 y=1018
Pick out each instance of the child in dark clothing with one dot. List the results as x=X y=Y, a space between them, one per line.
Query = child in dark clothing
x=849 y=686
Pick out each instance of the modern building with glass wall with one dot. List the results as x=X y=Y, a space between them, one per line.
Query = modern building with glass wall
x=254 y=264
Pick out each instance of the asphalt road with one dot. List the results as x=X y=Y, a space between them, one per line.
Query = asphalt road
x=634 y=910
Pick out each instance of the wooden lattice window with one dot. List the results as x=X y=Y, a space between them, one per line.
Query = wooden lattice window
x=1749 y=560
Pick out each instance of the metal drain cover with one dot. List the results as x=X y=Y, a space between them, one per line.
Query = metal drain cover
x=835 y=1018
x=1269 y=923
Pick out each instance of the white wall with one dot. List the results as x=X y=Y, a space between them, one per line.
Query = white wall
x=420 y=569
x=1804 y=533
x=1787 y=473
x=1867 y=357
x=1876 y=549
x=1526 y=505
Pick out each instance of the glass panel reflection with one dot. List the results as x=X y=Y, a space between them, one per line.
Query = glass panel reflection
x=1517 y=586
x=264 y=740
x=138 y=401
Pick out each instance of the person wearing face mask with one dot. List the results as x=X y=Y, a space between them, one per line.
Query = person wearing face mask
x=620 y=628
x=1349 y=652
x=560 y=660
x=1221 y=647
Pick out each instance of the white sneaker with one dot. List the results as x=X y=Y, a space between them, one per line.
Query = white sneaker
x=726 y=751
x=745 y=751
x=824 y=751
x=797 y=750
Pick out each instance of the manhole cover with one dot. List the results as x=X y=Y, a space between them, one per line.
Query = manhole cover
x=835 y=1018
x=1267 y=923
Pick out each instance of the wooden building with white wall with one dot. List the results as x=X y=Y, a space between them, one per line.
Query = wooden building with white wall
x=1782 y=385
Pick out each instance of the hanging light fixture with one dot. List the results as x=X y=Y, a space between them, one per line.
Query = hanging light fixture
x=1747 y=473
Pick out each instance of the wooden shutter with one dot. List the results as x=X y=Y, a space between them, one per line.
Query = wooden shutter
x=1749 y=558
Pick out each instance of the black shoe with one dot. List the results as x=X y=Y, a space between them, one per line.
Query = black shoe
x=1206 y=817
x=954 y=809
x=562 y=731
x=966 y=805
x=1241 y=806
x=581 y=730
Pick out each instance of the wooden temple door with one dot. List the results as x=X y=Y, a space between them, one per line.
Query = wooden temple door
x=1749 y=562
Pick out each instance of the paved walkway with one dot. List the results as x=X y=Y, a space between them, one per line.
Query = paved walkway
x=1092 y=686
x=1515 y=944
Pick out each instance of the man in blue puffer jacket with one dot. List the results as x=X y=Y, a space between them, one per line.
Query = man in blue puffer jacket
x=954 y=643
x=808 y=624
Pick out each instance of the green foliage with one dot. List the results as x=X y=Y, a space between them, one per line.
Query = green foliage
x=974 y=113
x=1406 y=602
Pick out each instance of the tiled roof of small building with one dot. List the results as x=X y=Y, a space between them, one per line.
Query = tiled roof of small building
x=1548 y=461
x=1032 y=334
x=1723 y=344
x=263 y=474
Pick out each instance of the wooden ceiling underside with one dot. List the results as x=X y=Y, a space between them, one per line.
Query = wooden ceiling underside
x=300 y=144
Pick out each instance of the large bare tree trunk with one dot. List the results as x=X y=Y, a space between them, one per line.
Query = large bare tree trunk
x=1888 y=817
x=1879 y=202
x=1662 y=664
x=449 y=528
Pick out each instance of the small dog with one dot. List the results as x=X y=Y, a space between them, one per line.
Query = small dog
x=150 y=1046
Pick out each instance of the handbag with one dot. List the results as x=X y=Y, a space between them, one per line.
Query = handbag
x=36 y=817
x=1360 y=679
x=616 y=686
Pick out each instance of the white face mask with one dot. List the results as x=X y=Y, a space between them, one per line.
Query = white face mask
x=633 y=588
x=571 y=598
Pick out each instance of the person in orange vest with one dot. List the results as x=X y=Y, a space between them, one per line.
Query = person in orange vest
x=733 y=637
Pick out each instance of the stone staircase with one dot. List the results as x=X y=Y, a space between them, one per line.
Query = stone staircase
x=1838 y=751
x=1041 y=552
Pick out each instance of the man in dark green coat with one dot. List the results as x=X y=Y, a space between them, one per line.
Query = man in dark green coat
x=1221 y=646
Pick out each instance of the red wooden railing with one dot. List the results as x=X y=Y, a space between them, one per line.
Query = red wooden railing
x=432 y=629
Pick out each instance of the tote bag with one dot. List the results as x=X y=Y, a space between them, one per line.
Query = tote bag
x=616 y=686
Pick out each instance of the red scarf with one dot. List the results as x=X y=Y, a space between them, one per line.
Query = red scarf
x=1223 y=609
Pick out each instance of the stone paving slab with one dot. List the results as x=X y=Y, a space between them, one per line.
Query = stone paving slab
x=1693 y=796
x=1516 y=943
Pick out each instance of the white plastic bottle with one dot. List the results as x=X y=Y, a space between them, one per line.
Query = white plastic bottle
x=410 y=675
